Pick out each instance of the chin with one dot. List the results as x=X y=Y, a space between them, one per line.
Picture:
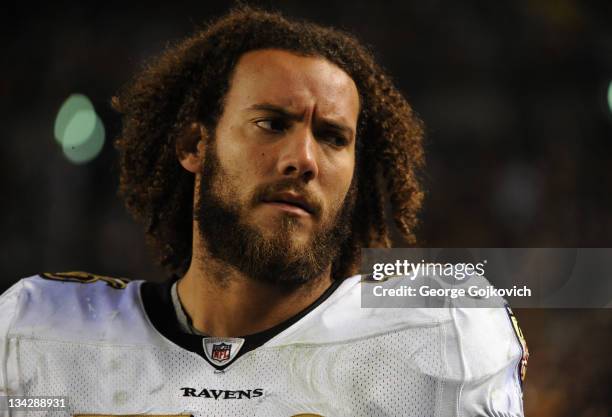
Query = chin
x=273 y=226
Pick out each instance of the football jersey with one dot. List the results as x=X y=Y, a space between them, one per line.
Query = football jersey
x=114 y=347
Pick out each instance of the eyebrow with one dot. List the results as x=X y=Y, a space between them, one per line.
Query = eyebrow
x=281 y=111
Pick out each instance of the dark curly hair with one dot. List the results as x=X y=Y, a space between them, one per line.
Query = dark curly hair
x=188 y=83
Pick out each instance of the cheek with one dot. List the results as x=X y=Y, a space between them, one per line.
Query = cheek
x=339 y=178
x=240 y=152
x=239 y=161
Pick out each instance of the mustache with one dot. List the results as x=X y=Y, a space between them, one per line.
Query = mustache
x=266 y=191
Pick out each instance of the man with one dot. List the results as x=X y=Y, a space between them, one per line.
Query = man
x=259 y=153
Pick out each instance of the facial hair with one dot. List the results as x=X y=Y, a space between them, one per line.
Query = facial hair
x=276 y=260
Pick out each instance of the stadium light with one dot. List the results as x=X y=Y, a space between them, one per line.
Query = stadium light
x=79 y=130
x=86 y=150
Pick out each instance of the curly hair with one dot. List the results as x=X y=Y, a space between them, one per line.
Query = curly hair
x=187 y=83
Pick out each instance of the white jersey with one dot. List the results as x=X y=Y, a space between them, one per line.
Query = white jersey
x=114 y=347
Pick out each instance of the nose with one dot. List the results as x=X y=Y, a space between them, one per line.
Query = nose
x=298 y=158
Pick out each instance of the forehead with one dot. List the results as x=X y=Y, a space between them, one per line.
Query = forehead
x=295 y=82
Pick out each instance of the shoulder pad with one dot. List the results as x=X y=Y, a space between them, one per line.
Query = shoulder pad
x=341 y=318
x=81 y=307
x=475 y=341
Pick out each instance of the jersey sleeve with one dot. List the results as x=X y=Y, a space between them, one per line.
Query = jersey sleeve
x=8 y=309
x=490 y=358
x=498 y=395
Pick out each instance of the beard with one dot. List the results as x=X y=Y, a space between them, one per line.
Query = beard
x=277 y=258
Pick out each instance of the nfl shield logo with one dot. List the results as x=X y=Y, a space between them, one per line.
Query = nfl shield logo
x=221 y=352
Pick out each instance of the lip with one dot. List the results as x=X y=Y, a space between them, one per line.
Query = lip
x=289 y=208
x=290 y=202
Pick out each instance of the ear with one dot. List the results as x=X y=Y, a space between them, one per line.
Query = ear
x=191 y=148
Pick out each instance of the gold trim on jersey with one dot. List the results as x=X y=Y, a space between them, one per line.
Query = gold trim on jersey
x=523 y=342
x=86 y=278
x=132 y=415
x=307 y=415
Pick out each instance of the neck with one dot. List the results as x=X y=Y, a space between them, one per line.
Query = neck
x=223 y=302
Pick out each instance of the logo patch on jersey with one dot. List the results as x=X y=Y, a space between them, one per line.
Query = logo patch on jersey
x=522 y=341
x=86 y=278
x=222 y=350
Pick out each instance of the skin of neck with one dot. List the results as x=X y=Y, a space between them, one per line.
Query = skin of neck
x=223 y=302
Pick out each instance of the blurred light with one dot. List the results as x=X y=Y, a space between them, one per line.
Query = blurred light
x=70 y=107
x=79 y=130
x=88 y=149
x=610 y=96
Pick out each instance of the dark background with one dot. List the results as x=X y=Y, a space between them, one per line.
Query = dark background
x=519 y=131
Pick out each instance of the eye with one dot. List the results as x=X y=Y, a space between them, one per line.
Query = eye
x=339 y=141
x=272 y=125
x=334 y=139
